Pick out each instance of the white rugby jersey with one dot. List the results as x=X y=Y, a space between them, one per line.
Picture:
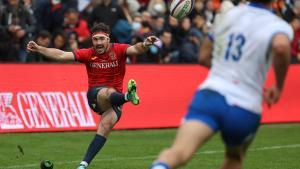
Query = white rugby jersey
x=241 y=54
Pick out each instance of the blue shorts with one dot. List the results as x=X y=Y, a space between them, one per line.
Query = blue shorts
x=236 y=124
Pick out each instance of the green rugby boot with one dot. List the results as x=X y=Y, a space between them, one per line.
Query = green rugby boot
x=131 y=92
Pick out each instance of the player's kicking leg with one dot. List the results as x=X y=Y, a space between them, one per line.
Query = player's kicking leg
x=107 y=102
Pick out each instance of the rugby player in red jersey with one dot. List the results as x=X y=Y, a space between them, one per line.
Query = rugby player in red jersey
x=105 y=65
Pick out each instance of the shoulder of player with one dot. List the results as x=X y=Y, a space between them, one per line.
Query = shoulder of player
x=85 y=51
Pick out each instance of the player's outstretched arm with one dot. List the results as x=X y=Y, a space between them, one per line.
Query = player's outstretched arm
x=141 y=47
x=51 y=53
x=205 y=54
x=281 y=51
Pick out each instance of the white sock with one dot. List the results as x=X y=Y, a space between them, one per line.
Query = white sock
x=126 y=96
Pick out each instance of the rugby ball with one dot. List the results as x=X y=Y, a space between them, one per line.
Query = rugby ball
x=181 y=8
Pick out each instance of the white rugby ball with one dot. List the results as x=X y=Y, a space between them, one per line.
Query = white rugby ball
x=181 y=8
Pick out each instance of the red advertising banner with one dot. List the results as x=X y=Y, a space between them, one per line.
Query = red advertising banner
x=52 y=97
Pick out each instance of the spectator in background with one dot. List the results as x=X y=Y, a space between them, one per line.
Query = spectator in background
x=198 y=22
x=74 y=24
x=19 y=25
x=158 y=23
x=106 y=12
x=43 y=38
x=87 y=9
x=130 y=8
x=157 y=7
x=184 y=27
x=146 y=17
x=73 y=41
x=173 y=26
x=198 y=8
x=7 y=53
x=29 y=5
x=60 y=41
x=136 y=24
x=169 y=52
x=291 y=17
x=50 y=15
x=188 y=52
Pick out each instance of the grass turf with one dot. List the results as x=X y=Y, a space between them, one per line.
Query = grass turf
x=275 y=147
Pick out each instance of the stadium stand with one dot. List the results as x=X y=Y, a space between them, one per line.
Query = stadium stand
x=24 y=20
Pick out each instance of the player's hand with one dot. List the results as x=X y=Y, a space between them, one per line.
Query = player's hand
x=150 y=40
x=32 y=47
x=272 y=95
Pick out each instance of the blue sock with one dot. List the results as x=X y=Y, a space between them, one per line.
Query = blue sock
x=94 y=148
x=160 y=165
x=117 y=99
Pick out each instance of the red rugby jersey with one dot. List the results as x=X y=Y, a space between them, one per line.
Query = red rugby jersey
x=107 y=69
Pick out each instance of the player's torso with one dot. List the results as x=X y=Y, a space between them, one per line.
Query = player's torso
x=107 y=69
x=241 y=54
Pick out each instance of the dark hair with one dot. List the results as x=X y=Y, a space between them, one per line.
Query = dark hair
x=100 y=27
x=262 y=1
x=44 y=34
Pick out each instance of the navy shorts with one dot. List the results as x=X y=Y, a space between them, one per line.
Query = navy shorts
x=92 y=100
x=236 y=124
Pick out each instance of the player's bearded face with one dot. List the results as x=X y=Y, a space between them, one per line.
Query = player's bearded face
x=100 y=43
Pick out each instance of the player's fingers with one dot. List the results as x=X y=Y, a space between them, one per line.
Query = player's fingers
x=153 y=39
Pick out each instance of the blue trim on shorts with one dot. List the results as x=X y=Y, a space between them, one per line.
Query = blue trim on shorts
x=237 y=125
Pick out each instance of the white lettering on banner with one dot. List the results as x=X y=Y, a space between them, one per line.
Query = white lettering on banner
x=38 y=110
x=9 y=118
x=33 y=110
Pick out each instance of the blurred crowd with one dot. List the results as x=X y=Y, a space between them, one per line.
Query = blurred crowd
x=64 y=24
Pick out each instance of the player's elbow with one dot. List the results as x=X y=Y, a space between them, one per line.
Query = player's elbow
x=204 y=59
x=281 y=46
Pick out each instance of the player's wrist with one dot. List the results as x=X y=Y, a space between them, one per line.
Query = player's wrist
x=145 y=45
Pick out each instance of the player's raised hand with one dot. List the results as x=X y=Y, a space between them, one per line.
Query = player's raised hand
x=150 y=40
x=272 y=95
x=32 y=47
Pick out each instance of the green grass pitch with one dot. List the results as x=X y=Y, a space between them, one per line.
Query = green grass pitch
x=275 y=147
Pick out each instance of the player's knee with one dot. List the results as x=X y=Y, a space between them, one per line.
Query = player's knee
x=105 y=92
x=110 y=91
x=102 y=92
x=106 y=126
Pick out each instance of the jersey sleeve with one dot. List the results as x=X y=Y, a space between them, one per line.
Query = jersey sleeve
x=122 y=50
x=285 y=28
x=82 y=55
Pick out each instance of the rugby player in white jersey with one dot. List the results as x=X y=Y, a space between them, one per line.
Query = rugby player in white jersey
x=242 y=45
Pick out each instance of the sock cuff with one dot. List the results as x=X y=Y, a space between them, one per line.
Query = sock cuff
x=100 y=138
x=160 y=165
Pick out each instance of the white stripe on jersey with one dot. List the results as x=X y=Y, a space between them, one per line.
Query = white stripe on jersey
x=242 y=38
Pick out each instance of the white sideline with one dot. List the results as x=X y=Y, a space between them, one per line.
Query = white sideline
x=150 y=157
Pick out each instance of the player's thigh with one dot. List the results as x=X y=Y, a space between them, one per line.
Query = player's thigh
x=102 y=98
x=190 y=136
x=238 y=126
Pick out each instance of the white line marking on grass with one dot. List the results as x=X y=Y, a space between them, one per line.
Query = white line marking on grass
x=149 y=157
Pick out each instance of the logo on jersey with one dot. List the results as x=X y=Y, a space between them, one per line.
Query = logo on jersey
x=112 y=56
x=104 y=65
x=94 y=58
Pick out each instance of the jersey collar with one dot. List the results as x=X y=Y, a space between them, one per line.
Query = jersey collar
x=258 y=5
